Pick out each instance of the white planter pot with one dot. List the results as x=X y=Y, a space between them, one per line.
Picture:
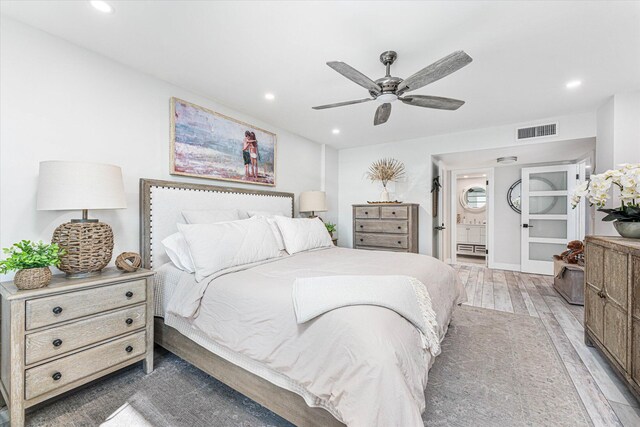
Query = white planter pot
x=384 y=196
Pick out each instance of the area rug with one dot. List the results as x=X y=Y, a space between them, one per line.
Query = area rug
x=496 y=369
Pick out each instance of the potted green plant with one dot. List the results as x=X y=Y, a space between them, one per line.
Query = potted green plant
x=598 y=191
x=331 y=228
x=31 y=262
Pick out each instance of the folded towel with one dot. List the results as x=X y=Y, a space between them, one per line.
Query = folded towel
x=407 y=296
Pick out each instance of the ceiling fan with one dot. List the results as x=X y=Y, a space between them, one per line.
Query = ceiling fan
x=388 y=89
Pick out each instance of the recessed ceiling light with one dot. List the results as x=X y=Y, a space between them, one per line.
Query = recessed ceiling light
x=102 y=6
x=507 y=160
x=269 y=96
x=573 y=84
x=335 y=131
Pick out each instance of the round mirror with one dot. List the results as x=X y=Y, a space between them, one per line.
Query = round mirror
x=474 y=198
x=513 y=196
x=544 y=204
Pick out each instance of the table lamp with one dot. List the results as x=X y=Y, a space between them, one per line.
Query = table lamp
x=313 y=201
x=64 y=185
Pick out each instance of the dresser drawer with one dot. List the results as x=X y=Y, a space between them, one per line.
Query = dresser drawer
x=368 y=212
x=57 y=374
x=382 y=241
x=400 y=212
x=58 y=308
x=62 y=339
x=381 y=226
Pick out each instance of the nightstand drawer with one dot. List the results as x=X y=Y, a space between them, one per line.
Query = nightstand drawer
x=59 y=373
x=380 y=226
x=62 y=339
x=400 y=212
x=58 y=308
x=381 y=240
x=368 y=212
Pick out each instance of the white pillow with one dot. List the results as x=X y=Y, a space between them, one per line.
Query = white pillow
x=178 y=251
x=214 y=247
x=267 y=214
x=210 y=216
x=303 y=234
x=270 y=216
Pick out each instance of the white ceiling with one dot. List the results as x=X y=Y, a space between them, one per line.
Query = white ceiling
x=538 y=152
x=235 y=52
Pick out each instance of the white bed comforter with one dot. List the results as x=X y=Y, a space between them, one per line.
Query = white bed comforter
x=364 y=362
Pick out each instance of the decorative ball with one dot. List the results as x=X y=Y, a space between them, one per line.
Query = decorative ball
x=128 y=261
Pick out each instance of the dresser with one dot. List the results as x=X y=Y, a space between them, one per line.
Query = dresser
x=471 y=239
x=56 y=338
x=392 y=227
x=612 y=303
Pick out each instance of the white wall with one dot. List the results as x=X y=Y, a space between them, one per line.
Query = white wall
x=416 y=154
x=506 y=230
x=618 y=141
x=62 y=102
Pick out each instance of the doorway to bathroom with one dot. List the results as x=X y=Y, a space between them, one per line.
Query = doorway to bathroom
x=470 y=214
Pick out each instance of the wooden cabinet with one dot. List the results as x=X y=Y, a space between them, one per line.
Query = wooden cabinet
x=386 y=227
x=72 y=332
x=471 y=239
x=612 y=303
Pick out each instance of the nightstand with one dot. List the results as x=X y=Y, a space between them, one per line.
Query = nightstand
x=56 y=338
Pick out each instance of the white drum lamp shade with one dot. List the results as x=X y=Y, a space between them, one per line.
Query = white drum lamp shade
x=79 y=185
x=87 y=243
x=313 y=201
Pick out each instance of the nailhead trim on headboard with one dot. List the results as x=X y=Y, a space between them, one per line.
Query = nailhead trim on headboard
x=146 y=206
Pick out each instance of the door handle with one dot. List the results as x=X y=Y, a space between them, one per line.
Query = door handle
x=527 y=226
x=438 y=227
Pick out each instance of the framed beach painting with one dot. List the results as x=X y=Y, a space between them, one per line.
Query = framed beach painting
x=206 y=144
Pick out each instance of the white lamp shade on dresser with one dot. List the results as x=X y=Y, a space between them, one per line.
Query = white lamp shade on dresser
x=65 y=185
x=313 y=201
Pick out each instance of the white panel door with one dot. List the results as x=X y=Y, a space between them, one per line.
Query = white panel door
x=548 y=221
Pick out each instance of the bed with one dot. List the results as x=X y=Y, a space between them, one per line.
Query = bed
x=358 y=365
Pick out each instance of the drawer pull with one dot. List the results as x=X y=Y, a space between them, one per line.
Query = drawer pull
x=366 y=213
x=393 y=213
x=399 y=228
x=129 y=349
x=57 y=310
x=362 y=240
x=57 y=342
x=129 y=294
x=361 y=226
x=129 y=321
x=56 y=376
x=399 y=242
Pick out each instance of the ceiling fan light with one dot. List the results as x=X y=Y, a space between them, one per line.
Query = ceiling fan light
x=386 y=98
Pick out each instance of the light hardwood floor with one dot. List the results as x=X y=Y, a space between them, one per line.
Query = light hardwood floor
x=606 y=398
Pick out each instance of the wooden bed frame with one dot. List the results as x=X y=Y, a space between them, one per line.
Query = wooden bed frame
x=285 y=403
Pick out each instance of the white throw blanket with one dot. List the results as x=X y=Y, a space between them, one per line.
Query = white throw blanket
x=407 y=296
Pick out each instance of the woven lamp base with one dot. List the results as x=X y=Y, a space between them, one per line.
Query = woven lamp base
x=88 y=246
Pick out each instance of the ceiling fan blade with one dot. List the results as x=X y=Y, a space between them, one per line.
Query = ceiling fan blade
x=355 y=76
x=433 y=102
x=436 y=71
x=340 y=104
x=382 y=114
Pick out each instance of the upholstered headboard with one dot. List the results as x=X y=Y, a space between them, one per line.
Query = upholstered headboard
x=162 y=203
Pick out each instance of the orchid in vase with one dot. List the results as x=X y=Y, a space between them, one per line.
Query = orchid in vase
x=598 y=191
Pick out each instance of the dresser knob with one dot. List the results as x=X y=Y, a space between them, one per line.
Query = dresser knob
x=362 y=240
x=129 y=349
x=366 y=213
x=57 y=310
x=57 y=342
x=393 y=213
x=129 y=294
x=56 y=376
x=399 y=228
x=361 y=226
x=129 y=321
x=399 y=242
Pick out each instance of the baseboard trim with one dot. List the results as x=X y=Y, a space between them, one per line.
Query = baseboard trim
x=505 y=266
